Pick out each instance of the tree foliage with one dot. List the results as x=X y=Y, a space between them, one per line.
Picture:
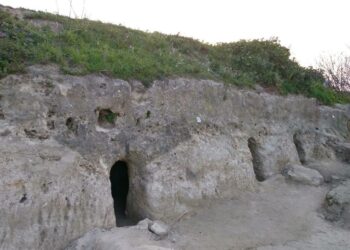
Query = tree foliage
x=336 y=70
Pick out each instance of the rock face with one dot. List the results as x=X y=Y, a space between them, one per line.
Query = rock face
x=47 y=190
x=184 y=141
x=271 y=154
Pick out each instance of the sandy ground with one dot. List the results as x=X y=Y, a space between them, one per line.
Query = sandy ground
x=281 y=215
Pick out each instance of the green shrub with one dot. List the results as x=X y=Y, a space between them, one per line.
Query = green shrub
x=85 y=46
x=324 y=95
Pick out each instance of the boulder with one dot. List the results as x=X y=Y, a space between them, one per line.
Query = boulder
x=337 y=204
x=302 y=174
x=332 y=171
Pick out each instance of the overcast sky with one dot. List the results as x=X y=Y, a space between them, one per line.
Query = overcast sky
x=308 y=27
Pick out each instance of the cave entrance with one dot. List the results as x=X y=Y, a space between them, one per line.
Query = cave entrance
x=257 y=161
x=119 y=177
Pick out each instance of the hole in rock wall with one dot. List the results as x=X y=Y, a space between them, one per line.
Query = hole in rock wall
x=72 y=125
x=257 y=163
x=119 y=177
x=107 y=118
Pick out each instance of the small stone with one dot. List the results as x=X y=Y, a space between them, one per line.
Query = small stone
x=159 y=228
x=144 y=224
x=50 y=157
x=2 y=34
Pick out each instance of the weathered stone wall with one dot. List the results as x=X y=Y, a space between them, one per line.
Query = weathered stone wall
x=185 y=141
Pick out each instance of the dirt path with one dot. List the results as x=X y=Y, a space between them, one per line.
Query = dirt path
x=280 y=215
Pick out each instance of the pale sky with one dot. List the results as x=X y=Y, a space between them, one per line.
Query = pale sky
x=308 y=27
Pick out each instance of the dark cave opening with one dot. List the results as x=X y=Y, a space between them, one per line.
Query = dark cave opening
x=299 y=147
x=257 y=162
x=119 y=177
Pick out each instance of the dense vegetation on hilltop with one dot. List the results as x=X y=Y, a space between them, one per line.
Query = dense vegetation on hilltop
x=84 y=46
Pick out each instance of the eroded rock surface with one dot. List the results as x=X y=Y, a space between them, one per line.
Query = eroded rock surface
x=185 y=141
